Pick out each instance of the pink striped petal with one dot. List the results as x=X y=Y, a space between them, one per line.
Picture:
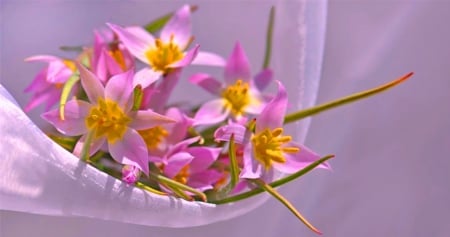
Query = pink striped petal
x=187 y=59
x=297 y=161
x=91 y=84
x=212 y=112
x=131 y=150
x=135 y=43
x=145 y=77
x=273 y=114
x=120 y=89
x=207 y=82
x=209 y=59
x=75 y=113
x=237 y=66
x=144 y=119
x=241 y=134
x=179 y=26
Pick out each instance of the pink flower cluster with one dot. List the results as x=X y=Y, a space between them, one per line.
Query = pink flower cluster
x=120 y=112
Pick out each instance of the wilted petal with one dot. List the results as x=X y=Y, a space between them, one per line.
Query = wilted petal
x=263 y=78
x=252 y=169
x=145 y=77
x=273 y=114
x=187 y=59
x=75 y=113
x=179 y=26
x=176 y=162
x=240 y=132
x=136 y=44
x=237 y=66
x=119 y=88
x=91 y=84
x=211 y=112
x=144 y=119
x=299 y=160
x=207 y=82
x=131 y=150
x=209 y=59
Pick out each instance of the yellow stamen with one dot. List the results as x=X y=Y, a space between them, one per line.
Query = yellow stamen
x=107 y=119
x=267 y=147
x=70 y=64
x=237 y=97
x=117 y=55
x=164 y=54
x=153 y=136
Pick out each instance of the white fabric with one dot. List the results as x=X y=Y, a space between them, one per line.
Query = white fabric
x=40 y=177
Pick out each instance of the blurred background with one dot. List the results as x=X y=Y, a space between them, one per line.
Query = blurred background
x=391 y=171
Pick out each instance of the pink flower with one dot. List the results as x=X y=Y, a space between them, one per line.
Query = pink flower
x=167 y=52
x=267 y=147
x=109 y=57
x=47 y=85
x=108 y=118
x=238 y=96
x=130 y=174
x=190 y=165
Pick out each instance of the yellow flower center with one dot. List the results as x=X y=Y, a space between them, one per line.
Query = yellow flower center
x=153 y=136
x=237 y=97
x=70 y=64
x=267 y=147
x=163 y=54
x=183 y=175
x=107 y=119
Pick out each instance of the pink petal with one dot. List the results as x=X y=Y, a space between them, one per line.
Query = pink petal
x=252 y=169
x=75 y=113
x=209 y=59
x=297 y=161
x=263 y=78
x=135 y=43
x=164 y=90
x=241 y=133
x=110 y=64
x=187 y=59
x=237 y=66
x=182 y=146
x=177 y=130
x=212 y=112
x=100 y=68
x=131 y=150
x=203 y=157
x=145 y=77
x=42 y=58
x=98 y=49
x=39 y=83
x=58 y=72
x=179 y=26
x=91 y=84
x=144 y=119
x=273 y=114
x=120 y=89
x=141 y=33
x=203 y=180
x=207 y=82
x=95 y=145
x=176 y=162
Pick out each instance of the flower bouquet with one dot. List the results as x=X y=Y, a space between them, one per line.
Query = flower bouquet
x=138 y=151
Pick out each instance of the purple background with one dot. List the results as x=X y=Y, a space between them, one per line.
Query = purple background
x=391 y=173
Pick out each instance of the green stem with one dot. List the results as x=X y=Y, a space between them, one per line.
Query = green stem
x=345 y=100
x=274 y=184
x=86 y=146
x=66 y=92
x=285 y=202
x=173 y=183
x=149 y=189
x=269 y=36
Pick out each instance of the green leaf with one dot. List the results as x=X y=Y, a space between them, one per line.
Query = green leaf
x=274 y=184
x=66 y=92
x=159 y=23
x=269 y=36
x=71 y=48
x=345 y=100
x=285 y=202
